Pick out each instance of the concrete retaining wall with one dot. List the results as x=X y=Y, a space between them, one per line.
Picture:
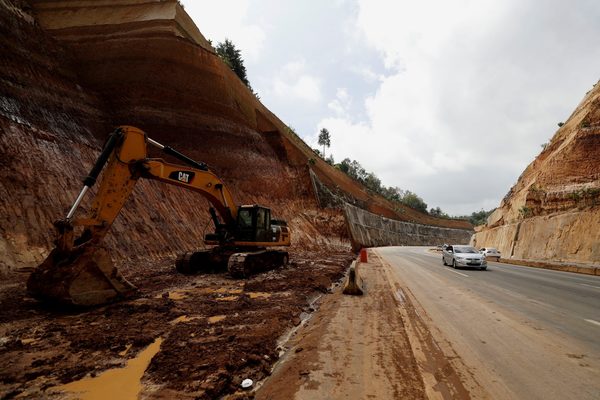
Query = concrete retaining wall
x=371 y=230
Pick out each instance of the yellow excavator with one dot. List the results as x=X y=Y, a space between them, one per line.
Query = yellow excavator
x=79 y=270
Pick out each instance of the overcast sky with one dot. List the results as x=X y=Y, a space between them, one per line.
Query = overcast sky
x=448 y=99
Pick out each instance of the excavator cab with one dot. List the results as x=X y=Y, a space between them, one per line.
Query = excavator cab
x=254 y=224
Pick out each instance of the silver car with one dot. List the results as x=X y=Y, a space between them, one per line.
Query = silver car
x=490 y=252
x=463 y=256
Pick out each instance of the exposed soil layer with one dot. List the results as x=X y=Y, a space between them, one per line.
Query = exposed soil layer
x=216 y=331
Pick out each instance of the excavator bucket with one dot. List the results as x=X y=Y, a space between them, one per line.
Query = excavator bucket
x=84 y=276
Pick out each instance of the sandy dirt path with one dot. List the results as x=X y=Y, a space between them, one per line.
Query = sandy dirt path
x=368 y=347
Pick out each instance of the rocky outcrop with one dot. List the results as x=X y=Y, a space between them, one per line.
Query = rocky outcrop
x=553 y=212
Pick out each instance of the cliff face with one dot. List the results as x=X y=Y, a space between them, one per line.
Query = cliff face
x=553 y=211
x=72 y=70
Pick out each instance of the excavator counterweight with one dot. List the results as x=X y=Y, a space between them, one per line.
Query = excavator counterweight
x=79 y=270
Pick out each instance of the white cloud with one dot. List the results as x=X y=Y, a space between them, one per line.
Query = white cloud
x=294 y=82
x=341 y=104
x=367 y=73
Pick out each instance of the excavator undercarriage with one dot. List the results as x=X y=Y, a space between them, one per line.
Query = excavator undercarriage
x=79 y=270
x=240 y=263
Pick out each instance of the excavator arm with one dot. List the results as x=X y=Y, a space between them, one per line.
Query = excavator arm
x=127 y=162
x=79 y=270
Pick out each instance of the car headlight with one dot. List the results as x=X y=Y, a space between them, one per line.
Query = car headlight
x=460 y=258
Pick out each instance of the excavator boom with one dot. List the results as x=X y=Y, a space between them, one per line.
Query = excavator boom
x=79 y=270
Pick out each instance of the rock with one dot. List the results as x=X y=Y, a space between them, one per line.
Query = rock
x=550 y=212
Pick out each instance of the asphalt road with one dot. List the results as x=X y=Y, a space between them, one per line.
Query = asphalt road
x=523 y=333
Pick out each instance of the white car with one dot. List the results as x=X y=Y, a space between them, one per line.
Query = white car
x=463 y=256
x=490 y=252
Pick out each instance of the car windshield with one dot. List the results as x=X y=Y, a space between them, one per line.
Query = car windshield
x=492 y=250
x=465 y=250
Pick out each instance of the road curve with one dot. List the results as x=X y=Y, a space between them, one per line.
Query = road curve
x=523 y=333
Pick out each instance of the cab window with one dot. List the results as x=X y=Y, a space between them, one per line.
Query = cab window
x=260 y=219
x=245 y=219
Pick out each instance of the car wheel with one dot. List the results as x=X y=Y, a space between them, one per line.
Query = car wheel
x=454 y=264
x=483 y=268
x=444 y=261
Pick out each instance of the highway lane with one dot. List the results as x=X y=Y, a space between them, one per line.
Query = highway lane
x=523 y=332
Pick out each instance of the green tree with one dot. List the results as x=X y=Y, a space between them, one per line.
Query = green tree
x=344 y=166
x=413 y=201
x=391 y=193
x=353 y=169
x=480 y=217
x=324 y=139
x=233 y=58
x=437 y=212
x=372 y=182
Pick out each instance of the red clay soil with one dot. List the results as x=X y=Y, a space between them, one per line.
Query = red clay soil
x=41 y=347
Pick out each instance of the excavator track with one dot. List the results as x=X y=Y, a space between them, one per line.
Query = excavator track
x=203 y=261
x=243 y=265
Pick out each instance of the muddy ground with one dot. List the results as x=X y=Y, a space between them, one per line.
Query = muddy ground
x=216 y=331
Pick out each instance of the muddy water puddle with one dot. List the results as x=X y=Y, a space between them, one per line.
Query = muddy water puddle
x=181 y=294
x=216 y=318
x=220 y=294
x=223 y=290
x=120 y=383
x=227 y=298
x=259 y=295
x=183 y=318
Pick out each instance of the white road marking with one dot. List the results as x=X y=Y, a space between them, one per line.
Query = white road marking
x=591 y=321
x=456 y=272
x=595 y=287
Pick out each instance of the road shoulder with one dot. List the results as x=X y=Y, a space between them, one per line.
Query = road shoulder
x=371 y=346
